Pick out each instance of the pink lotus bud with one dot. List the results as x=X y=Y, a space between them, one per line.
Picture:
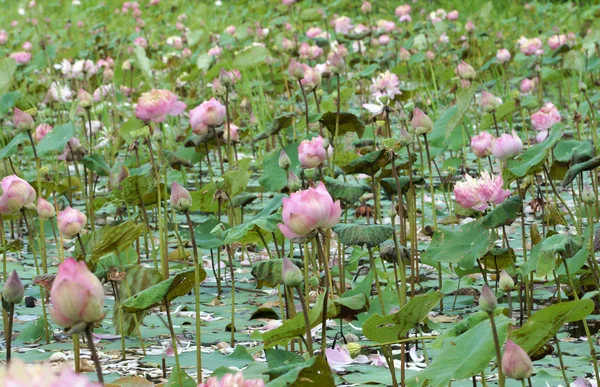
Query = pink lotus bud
x=487 y=300
x=27 y=46
x=546 y=117
x=296 y=70
x=227 y=78
x=421 y=123
x=555 y=41
x=541 y=136
x=284 y=160
x=312 y=153
x=404 y=54
x=312 y=79
x=294 y=183
x=126 y=66
x=21 y=57
x=482 y=144
x=85 y=99
x=453 y=15
x=181 y=199
x=291 y=274
x=366 y=7
x=22 y=120
x=156 y=105
x=403 y=10
x=489 y=102
x=209 y=113
x=430 y=55
x=336 y=63
x=232 y=135
x=13 y=290
x=531 y=46
x=503 y=55
x=70 y=222
x=41 y=131
x=506 y=283
x=77 y=295
x=230 y=30
x=45 y=209
x=516 y=364
x=465 y=70
x=527 y=85
x=141 y=41
x=17 y=193
x=186 y=52
x=507 y=146
x=588 y=196
x=308 y=210
x=287 y=44
x=469 y=27
x=313 y=32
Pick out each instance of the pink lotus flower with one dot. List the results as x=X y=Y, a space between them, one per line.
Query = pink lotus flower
x=21 y=374
x=17 y=193
x=386 y=84
x=27 y=46
x=214 y=51
x=287 y=44
x=386 y=25
x=312 y=153
x=546 y=117
x=503 y=55
x=21 y=57
x=453 y=15
x=141 y=41
x=516 y=364
x=404 y=54
x=296 y=70
x=209 y=113
x=3 y=37
x=22 y=120
x=312 y=79
x=342 y=25
x=430 y=55
x=307 y=51
x=541 y=136
x=403 y=12
x=507 y=146
x=309 y=210
x=313 y=32
x=555 y=41
x=77 y=295
x=232 y=134
x=482 y=144
x=237 y=380
x=338 y=358
x=45 y=209
x=421 y=123
x=477 y=194
x=70 y=150
x=530 y=46
x=465 y=71
x=366 y=7
x=70 y=222
x=527 y=85
x=13 y=290
x=230 y=30
x=469 y=27
x=157 y=104
x=180 y=199
x=383 y=40
x=489 y=102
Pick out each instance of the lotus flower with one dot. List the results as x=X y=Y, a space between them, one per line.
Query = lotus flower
x=503 y=55
x=157 y=104
x=21 y=374
x=482 y=144
x=308 y=210
x=17 y=193
x=546 y=117
x=516 y=364
x=181 y=199
x=477 y=194
x=13 y=290
x=77 y=295
x=45 y=209
x=530 y=46
x=209 y=113
x=386 y=84
x=421 y=123
x=507 y=146
x=230 y=380
x=312 y=153
x=70 y=222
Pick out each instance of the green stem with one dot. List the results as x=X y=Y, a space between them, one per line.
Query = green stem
x=498 y=352
x=306 y=321
x=197 y=296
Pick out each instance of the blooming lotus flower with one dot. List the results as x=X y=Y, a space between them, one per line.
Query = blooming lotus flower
x=555 y=41
x=313 y=32
x=156 y=104
x=342 y=25
x=312 y=79
x=386 y=84
x=421 y=123
x=209 y=113
x=180 y=199
x=22 y=120
x=530 y=46
x=21 y=374
x=516 y=364
x=507 y=146
x=45 y=209
x=489 y=102
x=21 y=57
x=236 y=380
x=503 y=55
x=70 y=222
x=465 y=71
x=13 y=290
x=312 y=153
x=77 y=295
x=338 y=357
x=527 y=85
x=307 y=211
x=477 y=194
x=546 y=117
x=482 y=144
x=17 y=193
x=453 y=15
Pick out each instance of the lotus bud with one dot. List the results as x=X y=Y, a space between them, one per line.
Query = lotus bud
x=70 y=222
x=126 y=66
x=336 y=63
x=85 y=99
x=582 y=86
x=13 y=290
x=291 y=274
x=118 y=173
x=487 y=300
x=516 y=364
x=284 y=161
x=506 y=283
x=294 y=183
x=45 y=209
x=421 y=123
x=181 y=199
x=588 y=195
x=581 y=382
x=465 y=71
x=489 y=102
x=354 y=349
x=366 y=7
x=225 y=77
x=295 y=70
x=404 y=54
x=22 y=120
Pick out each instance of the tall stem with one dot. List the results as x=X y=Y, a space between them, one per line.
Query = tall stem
x=92 y=347
x=498 y=353
x=306 y=321
x=197 y=296
x=172 y=332
x=11 y=312
x=305 y=107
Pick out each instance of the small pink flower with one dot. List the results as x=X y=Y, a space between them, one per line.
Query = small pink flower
x=237 y=380
x=338 y=357
x=469 y=27
x=555 y=41
x=465 y=71
x=403 y=10
x=503 y=55
x=516 y=364
x=230 y=30
x=41 y=131
x=404 y=54
x=3 y=37
x=308 y=210
x=386 y=84
x=507 y=146
x=77 y=295
x=21 y=57
x=45 y=209
x=312 y=153
x=530 y=46
x=453 y=15
x=27 y=46
x=141 y=41
x=156 y=104
x=342 y=25
x=214 y=51
x=384 y=40
x=386 y=25
x=313 y=32
x=17 y=193
x=312 y=79
x=232 y=135
x=209 y=113
x=366 y=7
x=546 y=117
x=70 y=222
x=527 y=85
x=482 y=144
x=430 y=55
